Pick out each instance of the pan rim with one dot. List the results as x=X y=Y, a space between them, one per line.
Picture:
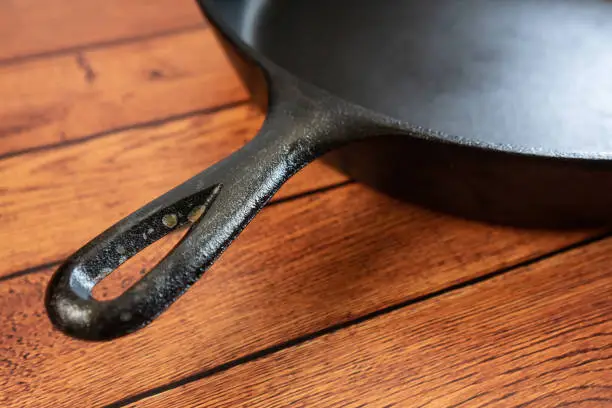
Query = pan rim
x=270 y=69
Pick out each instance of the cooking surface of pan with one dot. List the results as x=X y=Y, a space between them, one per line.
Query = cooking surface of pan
x=535 y=75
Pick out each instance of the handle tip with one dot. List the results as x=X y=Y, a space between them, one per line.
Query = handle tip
x=84 y=318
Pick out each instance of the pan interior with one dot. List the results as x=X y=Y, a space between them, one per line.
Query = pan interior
x=533 y=74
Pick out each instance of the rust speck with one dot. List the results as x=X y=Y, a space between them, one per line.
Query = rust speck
x=196 y=213
x=170 y=220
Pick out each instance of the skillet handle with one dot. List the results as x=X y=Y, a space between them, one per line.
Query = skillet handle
x=220 y=201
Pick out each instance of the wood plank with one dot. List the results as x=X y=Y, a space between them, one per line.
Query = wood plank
x=299 y=267
x=36 y=27
x=67 y=97
x=540 y=336
x=54 y=201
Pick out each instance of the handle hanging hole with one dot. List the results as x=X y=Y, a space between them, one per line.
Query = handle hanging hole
x=132 y=254
x=119 y=280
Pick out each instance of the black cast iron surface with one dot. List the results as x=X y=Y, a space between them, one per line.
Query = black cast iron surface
x=495 y=110
x=534 y=75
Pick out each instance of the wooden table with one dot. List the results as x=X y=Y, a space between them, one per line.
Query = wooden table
x=334 y=296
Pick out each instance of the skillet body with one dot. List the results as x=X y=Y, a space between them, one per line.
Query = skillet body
x=493 y=110
x=515 y=97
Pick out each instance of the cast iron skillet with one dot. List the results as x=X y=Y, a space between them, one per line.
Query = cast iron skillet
x=499 y=111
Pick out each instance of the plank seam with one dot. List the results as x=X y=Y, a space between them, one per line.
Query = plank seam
x=321 y=190
x=304 y=194
x=300 y=340
x=29 y=271
x=133 y=126
x=99 y=44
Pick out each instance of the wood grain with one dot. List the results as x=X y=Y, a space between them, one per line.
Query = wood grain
x=47 y=101
x=36 y=27
x=299 y=267
x=106 y=105
x=53 y=201
x=540 y=336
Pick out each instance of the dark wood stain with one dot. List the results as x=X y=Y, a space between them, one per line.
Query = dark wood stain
x=17 y=124
x=83 y=63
